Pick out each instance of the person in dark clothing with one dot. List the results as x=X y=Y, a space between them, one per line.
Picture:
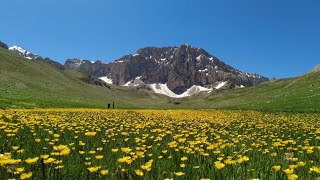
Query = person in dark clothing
x=108 y=105
x=112 y=105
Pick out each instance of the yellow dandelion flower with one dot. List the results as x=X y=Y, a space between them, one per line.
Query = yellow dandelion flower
x=184 y=158
x=126 y=150
x=93 y=169
x=273 y=154
x=219 y=165
x=26 y=175
x=114 y=150
x=104 y=172
x=301 y=163
x=49 y=160
x=292 y=177
x=32 y=160
x=59 y=167
x=45 y=156
x=179 y=173
x=99 y=157
x=15 y=147
x=90 y=134
x=81 y=152
x=92 y=152
x=277 y=168
x=138 y=172
x=288 y=171
x=19 y=170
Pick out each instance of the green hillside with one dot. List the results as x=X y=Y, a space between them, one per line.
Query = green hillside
x=32 y=84
x=292 y=94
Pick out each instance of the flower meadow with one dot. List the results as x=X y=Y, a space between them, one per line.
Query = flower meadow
x=158 y=144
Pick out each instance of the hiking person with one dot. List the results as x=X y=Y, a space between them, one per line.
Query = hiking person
x=108 y=105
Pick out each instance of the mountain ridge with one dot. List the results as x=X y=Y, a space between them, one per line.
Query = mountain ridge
x=177 y=67
x=35 y=84
x=180 y=67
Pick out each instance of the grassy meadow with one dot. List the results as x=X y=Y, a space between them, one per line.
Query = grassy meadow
x=158 y=144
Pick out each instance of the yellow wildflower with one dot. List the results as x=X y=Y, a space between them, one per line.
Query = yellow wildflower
x=179 y=173
x=138 y=172
x=26 y=175
x=104 y=172
x=32 y=160
x=277 y=168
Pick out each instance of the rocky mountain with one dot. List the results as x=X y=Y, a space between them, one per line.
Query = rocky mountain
x=180 y=68
x=95 y=68
x=175 y=71
x=3 y=45
x=27 y=54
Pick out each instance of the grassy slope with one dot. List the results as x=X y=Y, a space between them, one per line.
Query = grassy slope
x=26 y=83
x=292 y=94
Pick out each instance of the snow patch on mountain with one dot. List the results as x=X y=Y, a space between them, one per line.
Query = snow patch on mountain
x=161 y=88
x=23 y=52
x=106 y=79
x=19 y=49
x=220 y=85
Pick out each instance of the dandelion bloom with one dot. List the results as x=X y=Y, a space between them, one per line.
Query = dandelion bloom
x=277 y=168
x=19 y=170
x=114 y=150
x=179 y=173
x=184 y=158
x=99 y=157
x=90 y=133
x=288 y=171
x=219 y=165
x=26 y=175
x=292 y=177
x=138 y=172
x=32 y=160
x=93 y=169
x=48 y=161
x=104 y=172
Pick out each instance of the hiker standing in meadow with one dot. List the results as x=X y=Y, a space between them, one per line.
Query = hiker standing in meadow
x=108 y=105
x=112 y=105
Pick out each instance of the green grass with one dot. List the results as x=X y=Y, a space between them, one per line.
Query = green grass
x=215 y=144
x=293 y=94
x=32 y=84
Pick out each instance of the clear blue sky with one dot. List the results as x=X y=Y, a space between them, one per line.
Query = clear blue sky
x=275 y=38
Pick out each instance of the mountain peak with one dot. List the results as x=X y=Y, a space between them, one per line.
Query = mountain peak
x=180 y=68
x=23 y=52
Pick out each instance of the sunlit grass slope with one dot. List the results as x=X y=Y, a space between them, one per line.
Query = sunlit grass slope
x=27 y=84
x=292 y=94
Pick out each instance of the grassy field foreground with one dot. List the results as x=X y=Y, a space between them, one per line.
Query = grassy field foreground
x=158 y=144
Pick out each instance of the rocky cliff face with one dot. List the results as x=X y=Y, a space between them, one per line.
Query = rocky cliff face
x=96 y=68
x=169 y=70
x=3 y=45
x=178 y=67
